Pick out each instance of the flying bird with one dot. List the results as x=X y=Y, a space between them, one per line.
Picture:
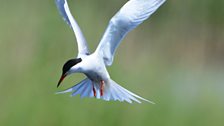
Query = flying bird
x=98 y=83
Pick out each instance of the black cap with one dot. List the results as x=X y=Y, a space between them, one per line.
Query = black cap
x=70 y=63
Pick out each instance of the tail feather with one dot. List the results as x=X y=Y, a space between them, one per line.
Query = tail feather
x=81 y=91
x=127 y=94
x=121 y=95
x=112 y=91
x=132 y=95
x=77 y=88
x=87 y=93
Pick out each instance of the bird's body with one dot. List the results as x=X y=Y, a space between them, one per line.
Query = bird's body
x=98 y=82
x=93 y=67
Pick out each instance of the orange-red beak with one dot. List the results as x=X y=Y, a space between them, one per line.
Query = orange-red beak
x=61 y=79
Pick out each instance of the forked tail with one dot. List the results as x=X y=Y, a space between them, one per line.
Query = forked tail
x=111 y=91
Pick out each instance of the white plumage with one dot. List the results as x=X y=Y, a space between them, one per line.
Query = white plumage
x=98 y=83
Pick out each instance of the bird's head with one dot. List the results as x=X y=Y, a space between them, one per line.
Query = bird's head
x=66 y=70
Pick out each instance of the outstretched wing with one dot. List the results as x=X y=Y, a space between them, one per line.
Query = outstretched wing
x=133 y=13
x=63 y=8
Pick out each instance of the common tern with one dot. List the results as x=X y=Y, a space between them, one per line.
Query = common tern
x=98 y=83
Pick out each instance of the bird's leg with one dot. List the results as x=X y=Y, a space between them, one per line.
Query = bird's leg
x=101 y=87
x=94 y=90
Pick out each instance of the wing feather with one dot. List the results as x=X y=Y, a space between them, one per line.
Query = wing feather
x=63 y=8
x=133 y=13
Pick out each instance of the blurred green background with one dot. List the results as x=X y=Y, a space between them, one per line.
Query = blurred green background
x=175 y=59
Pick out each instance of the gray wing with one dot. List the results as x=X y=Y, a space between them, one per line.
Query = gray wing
x=63 y=8
x=133 y=13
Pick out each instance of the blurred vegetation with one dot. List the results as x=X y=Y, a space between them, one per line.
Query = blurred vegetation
x=174 y=59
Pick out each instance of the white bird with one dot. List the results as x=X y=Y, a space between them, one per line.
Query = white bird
x=98 y=83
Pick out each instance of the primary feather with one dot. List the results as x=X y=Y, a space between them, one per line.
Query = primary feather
x=63 y=8
x=133 y=13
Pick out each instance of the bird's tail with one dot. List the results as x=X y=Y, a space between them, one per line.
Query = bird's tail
x=111 y=91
